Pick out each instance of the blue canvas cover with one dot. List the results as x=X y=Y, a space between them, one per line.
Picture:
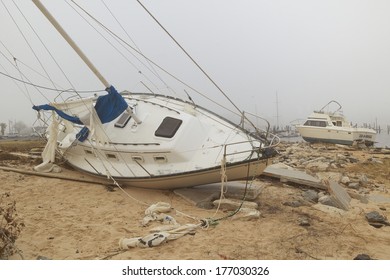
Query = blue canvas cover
x=108 y=107
x=63 y=115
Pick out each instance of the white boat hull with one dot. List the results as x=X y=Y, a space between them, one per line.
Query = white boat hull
x=336 y=135
x=241 y=171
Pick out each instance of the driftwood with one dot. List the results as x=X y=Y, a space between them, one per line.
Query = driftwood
x=57 y=176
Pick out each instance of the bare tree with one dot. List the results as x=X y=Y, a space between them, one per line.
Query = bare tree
x=3 y=126
x=20 y=127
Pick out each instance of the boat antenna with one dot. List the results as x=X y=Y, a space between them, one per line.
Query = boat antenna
x=70 y=41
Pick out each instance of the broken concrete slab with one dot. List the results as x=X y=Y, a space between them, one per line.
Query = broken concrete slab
x=340 y=195
x=246 y=214
x=330 y=209
x=379 y=198
x=203 y=195
x=233 y=204
x=293 y=176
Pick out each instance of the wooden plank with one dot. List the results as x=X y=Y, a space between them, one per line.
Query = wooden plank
x=68 y=177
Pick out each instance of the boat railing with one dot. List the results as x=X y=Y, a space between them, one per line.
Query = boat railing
x=337 y=111
x=255 y=149
x=251 y=123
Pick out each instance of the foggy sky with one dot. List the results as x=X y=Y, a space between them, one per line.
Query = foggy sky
x=305 y=52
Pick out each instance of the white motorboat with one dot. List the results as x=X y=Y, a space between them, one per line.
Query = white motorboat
x=333 y=127
x=151 y=140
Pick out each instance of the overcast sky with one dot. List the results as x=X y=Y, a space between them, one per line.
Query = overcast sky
x=303 y=52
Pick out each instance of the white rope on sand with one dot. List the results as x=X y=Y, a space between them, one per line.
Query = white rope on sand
x=170 y=230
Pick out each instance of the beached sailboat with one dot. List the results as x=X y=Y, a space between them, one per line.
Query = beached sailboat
x=333 y=127
x=150 y=140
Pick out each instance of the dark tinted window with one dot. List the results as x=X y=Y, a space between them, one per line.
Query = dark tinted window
x=168 y=127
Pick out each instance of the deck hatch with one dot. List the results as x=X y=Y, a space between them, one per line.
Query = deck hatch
x=123 y=120
x=168 y=127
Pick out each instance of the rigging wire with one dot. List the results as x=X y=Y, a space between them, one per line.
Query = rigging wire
x=112 y=45
x=241 y=113
x=16 y=79
x=21 y=77
x=189 y=56
x=17 y=85
x=131 y=39
x=156 y=65
x=25 y=39
x=49 y=88
x=48 y=51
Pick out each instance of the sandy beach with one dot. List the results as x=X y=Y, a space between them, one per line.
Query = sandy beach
x=70 y=220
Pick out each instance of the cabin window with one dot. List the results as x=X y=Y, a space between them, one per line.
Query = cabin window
x=160 y=159
x=111 y=156
x=315 y=123
x=137 y=158
x=123 y=120
x=168 y=127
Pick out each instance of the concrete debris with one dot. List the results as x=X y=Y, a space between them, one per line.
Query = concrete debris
x=246 y=214
x=231 y=204
x=330 y=209
x=293 y=176
x=295 y=203
x=345 y=180
x=204 y=195
x=377 y=220
x=340 y=195
x=328 y=200
x=354 y=186
x=311 y=196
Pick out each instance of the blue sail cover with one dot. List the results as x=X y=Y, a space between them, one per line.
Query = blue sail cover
x=63 y=115
x=108 y=107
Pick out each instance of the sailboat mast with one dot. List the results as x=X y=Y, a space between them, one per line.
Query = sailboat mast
x=70 y=41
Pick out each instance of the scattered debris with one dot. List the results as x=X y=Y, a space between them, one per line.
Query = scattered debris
x=363 y=257
x=304 y=222
x=246 y=214
x=10 y=227
x=204 y=195
x=340 y=195
x=377 y=220
x=311 y=196
x=232 y=204
x=293 y=176
x=161 y=235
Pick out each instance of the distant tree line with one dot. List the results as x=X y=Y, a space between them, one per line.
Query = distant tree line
x=18 y=127
x=3 y=126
